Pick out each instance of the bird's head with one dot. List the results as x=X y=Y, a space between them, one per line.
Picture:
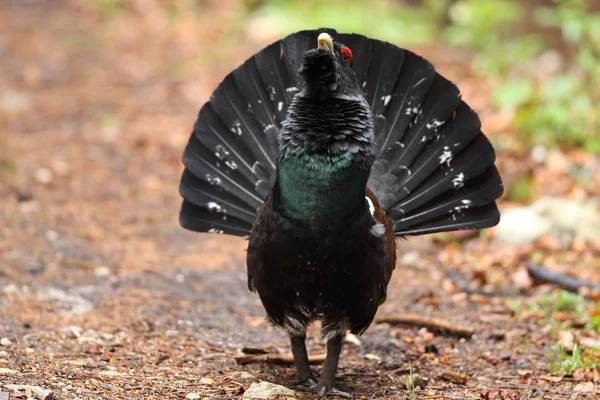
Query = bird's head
x=326 y=70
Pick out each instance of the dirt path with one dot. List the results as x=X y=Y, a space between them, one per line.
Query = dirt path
x=104 y=296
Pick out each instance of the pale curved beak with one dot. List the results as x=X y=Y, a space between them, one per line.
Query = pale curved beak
x=325 y=42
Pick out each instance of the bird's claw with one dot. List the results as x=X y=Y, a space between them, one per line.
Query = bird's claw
x=304 y=384
x=324 y=392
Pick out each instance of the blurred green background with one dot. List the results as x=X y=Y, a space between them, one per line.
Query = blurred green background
x=541 y=55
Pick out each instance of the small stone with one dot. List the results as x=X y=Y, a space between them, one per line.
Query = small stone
x=412 y=381
x=539 y=154
x=111 y=374
x=3 y=353
x=269 y=391
x=409 y=259
x=585 y=387
x=192 y=396
x=8 y=371
x=242 y=375
x=172 y=333
x=206 y=381
x=372 y=357
x=102 y=271
x=504 y=356
x=43 y=175
x=71 y=331
x=5 y=342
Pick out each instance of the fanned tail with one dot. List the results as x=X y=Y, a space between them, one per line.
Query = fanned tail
x=434 y=171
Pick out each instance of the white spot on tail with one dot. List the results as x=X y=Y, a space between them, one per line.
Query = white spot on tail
x=215 y=230
x=280 y=106
x=221 y=151
x=213 y=207
x=237 y=128
x=215 y=181
x=386 y=99
x=434 y=124
x=446 y=156
x=231 y=164
x=458 y=182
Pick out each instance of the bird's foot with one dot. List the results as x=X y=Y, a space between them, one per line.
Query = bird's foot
x=324 y=392
x=305 y=385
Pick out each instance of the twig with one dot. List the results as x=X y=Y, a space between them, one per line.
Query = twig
x=542 y=275
x=38 y=392
x=277 y=359
x=434 y=325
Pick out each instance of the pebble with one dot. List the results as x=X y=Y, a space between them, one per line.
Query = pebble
x=269 y=391
x=242 y=375
x=8 y=371
x=172 y=333
x=3 y=353
x=71 y=331
x=111 y=373
x=43 y=175
x=192 y=396
x=102 y=271
x=206 y=381
x=5 y=342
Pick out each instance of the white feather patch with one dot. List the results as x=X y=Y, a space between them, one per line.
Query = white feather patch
x=371 y=206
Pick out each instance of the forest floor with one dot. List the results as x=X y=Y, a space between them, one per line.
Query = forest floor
x=104 y=296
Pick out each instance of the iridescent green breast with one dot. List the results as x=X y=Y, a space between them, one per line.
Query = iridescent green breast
x=318 y=188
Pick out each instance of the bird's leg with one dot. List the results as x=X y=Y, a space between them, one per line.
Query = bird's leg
x=306 y=379
x=325 y=384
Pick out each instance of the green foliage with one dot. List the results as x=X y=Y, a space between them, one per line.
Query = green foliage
x=551 y=110
x=521 y=190
x=563 y=301
x=386 y=20
x=562 y=361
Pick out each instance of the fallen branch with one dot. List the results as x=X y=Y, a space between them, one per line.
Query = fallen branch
x=38 y=392
x=277 y=359
x=541 y=275
x=433 y=325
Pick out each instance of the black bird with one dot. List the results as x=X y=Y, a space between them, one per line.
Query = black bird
x=323 y=147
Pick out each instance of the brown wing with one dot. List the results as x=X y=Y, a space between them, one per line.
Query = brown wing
x=390 y=237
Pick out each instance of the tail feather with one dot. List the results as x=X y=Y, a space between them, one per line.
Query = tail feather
x=432 y=155
x=450 y=177
x=476 y=193
x=455 y=135
x=478 y=218
x=404 y=102
x=231 y=105
x=212 y=170
x=197 y=219
x=202 y=194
